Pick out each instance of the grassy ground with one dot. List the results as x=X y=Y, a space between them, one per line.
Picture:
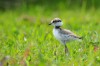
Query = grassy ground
x=26 y=38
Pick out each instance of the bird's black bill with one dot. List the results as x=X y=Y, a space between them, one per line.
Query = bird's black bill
x=49 y=23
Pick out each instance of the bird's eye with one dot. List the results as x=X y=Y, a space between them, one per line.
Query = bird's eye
x=53 y=22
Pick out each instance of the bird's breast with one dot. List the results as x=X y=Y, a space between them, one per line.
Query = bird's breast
x=56 y=34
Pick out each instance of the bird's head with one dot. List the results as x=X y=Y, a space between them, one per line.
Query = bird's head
x=56 y=22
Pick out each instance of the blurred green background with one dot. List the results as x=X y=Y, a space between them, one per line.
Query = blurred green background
x=13 y=4
x=27 y=40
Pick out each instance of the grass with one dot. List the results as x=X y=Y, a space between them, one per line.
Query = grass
x=27 y=39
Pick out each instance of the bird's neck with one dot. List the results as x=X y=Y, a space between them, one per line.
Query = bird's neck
x=57 y=27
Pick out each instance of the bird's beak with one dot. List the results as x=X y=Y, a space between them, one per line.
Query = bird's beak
x=50 y=23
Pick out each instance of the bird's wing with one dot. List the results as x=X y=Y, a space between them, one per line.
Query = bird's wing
x=67 y=34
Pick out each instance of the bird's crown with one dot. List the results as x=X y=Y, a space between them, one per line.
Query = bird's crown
x=56 y=20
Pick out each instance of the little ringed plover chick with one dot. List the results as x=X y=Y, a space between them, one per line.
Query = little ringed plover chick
x=62 y=35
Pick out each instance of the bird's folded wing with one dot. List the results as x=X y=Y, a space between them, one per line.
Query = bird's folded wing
x=67 y=34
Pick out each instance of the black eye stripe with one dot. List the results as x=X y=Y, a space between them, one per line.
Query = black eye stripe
x=56 y=21
x=59 y=20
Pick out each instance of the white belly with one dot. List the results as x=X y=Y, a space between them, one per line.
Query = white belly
x=62 y=38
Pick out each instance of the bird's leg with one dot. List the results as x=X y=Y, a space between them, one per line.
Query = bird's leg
x=66 y=50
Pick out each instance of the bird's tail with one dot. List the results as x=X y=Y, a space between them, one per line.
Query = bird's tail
x=80 y=39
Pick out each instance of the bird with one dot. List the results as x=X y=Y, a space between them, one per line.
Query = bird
x=63 y=35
